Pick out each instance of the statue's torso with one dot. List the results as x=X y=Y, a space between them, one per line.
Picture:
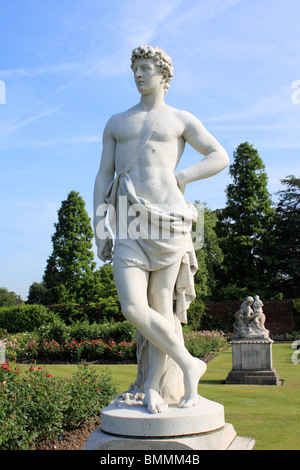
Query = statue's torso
x=153 y=171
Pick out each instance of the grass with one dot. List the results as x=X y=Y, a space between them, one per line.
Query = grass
x=268 y=414
x=122 y=375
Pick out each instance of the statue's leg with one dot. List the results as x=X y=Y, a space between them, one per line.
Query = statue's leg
x=132 y=287
x=160 y=297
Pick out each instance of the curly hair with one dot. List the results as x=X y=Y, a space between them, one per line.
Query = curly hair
x=163 y=61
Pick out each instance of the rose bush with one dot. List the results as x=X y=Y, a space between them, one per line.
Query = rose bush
x=28 y=347
x=35 y=404
x=68 y=351
x=201 y=343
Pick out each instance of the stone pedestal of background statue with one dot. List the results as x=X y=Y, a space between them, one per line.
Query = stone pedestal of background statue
x=252 y=348
x=252 y=363
x=201 y=427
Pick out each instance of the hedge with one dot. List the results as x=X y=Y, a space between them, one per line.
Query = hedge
x=84 y=331
x=21 y=318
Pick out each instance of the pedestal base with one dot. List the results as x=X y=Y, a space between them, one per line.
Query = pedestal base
x=253 y=377
x=223 y=439
x=201 y=427
x=252 y=363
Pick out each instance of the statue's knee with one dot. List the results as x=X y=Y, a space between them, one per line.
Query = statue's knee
x=161 y=300
x=131 y=312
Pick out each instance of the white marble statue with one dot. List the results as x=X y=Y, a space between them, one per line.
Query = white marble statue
x=144 y=198
x=259 y=316
x=250 y=323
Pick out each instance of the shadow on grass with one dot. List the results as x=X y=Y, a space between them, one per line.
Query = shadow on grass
x=212 y=382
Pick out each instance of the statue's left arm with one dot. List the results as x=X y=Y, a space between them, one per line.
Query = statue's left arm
x=215 y=156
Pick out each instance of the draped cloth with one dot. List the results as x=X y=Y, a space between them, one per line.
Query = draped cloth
x=153 y=237
x=163 y=238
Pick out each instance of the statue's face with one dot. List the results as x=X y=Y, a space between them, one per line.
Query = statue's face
x=147 y=76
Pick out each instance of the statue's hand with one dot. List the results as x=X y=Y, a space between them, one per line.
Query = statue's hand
x=104 y=249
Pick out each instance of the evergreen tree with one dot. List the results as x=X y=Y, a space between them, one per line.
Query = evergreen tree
x=288 y=238
x=70 y=267
x=245 y=225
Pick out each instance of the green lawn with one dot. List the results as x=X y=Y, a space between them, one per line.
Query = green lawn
x=268 y=414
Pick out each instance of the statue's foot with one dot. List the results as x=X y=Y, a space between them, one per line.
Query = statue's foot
x=191 y=380
x=154 y=402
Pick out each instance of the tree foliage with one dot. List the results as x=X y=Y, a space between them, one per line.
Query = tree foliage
x=8 y=299
x=287 y=232
x=250 y=247
x=70 y=268
x=245 y=225
x=210 y=258
x=38 y=294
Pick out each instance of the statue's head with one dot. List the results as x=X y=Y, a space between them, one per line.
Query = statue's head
x=162 y=60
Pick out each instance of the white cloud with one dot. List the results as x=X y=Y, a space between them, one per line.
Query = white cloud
x=287 y=144
x=74 y=140
x=25 y=122
x=202 y=11
x=277 y=102
x=39 y=71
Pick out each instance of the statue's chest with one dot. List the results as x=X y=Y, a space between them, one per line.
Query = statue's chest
x=135 y=128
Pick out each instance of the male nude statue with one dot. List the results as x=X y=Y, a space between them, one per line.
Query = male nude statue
x=153 y=135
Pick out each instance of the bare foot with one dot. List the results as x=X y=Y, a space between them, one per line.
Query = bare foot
x=154 y=402
x=191 y=380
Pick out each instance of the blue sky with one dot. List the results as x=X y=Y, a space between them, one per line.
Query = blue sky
x=65 y=66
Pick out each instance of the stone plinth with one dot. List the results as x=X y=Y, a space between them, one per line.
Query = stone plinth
x=136 y=420
x=201 y=427
x=252 y=363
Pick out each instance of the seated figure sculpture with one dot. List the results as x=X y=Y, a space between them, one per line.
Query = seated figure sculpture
x=250 y=323
x=154 y=273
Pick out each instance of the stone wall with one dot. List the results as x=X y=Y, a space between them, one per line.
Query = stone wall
x=281 y=317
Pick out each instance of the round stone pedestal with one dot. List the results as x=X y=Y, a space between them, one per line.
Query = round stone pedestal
x=201 y=427
x=136 y=421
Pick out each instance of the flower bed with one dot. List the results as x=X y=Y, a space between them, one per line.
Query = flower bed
x=35 y=404
x=201 y=343
x=24 y=346
x=70 y=351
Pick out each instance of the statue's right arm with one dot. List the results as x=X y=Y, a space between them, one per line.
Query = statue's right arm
x=103 y=179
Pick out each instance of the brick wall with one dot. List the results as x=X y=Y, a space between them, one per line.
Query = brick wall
x=280 y=314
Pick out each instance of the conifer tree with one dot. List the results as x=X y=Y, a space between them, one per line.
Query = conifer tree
x=288 y=238
x=245 y=225
x=70 y=267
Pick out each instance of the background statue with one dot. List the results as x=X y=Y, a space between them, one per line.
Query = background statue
x=153 y=255
x=250 y=322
